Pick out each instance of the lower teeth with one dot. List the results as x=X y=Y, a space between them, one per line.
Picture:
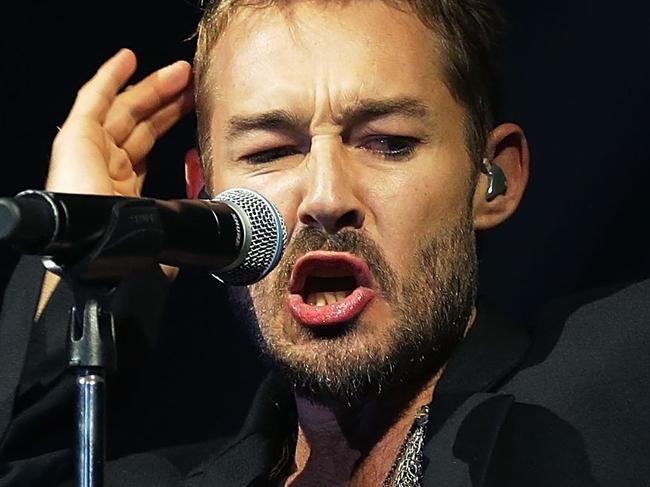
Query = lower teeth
x=326 y=298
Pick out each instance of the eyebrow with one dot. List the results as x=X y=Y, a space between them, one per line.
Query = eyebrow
x=369 y=109
x=273 y=120
x=360 y=111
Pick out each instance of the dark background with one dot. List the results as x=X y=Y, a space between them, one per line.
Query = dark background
x=576 y=78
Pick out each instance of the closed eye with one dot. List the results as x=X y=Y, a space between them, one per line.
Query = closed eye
x=270 y=155
x=391 y=147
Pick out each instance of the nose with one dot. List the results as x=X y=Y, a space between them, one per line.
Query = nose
x=330 y=200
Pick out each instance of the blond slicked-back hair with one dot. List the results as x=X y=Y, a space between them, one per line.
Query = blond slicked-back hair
x=468 y=32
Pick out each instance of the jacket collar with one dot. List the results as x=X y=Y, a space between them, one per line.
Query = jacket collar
x=467 y=412
x=265 y=442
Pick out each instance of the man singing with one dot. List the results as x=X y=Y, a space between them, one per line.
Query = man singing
x=370 y=125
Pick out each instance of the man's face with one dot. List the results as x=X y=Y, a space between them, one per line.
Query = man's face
x=339 y=114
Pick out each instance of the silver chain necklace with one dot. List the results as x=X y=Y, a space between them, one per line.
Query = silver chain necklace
x=407 y=468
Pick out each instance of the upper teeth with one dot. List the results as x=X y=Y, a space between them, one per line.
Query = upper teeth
x=325 y=298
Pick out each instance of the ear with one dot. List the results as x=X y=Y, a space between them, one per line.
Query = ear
x=194 y=180
x=508 y=149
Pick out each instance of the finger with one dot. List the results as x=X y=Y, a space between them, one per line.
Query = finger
x=96 y=96
x=131 y=187
x=120 y=168
x=146 y=98
x=132 y=183
x=145 y=134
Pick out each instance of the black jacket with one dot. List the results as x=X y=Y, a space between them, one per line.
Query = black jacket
x=564 y=404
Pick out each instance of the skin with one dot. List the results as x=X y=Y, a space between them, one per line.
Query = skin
x=317 y=64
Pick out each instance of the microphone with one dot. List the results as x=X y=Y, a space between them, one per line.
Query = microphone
x=239 y=236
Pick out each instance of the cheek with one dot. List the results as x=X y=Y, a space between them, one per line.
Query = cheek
x=281 y=188
x=413 y=209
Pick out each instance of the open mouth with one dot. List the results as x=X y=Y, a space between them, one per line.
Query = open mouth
x=329 y=288
x=319 y=291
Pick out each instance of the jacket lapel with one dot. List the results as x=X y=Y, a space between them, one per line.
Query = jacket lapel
x=265 y=441
x=460 y=453
x=466 y=415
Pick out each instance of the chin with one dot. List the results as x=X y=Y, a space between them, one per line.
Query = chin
x=344 y=364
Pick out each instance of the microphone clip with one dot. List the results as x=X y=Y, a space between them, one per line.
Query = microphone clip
x=132 y=240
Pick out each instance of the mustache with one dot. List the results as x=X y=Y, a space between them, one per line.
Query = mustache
x=355 y=242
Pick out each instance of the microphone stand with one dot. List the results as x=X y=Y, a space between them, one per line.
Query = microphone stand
x=92 y=354
x=131 y=241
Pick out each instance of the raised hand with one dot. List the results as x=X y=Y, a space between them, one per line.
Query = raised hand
x=103 y=144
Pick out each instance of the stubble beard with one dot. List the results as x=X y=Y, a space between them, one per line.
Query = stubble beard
x=359 y=361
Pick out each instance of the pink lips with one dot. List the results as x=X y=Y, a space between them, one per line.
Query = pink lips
x=327 y=264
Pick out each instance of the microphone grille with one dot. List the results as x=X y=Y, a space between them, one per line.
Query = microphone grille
x=268 y=236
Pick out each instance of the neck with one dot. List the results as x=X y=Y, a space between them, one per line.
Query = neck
x=354 y=445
